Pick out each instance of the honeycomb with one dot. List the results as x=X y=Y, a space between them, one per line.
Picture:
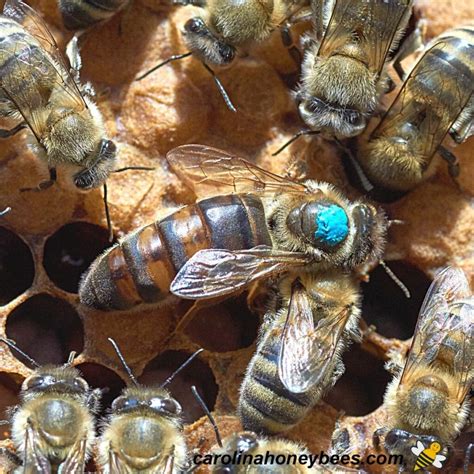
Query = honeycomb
x=50 y=238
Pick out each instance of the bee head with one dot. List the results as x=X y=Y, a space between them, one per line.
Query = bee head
x=322 y=224
x=157 y=401
x=204 y=44
x=103 y=162
x=55 y=379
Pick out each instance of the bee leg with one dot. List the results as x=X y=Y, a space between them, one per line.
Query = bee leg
x=467 y=458
x=196 y=3
x=378 y=434
x=453 y=164
x=74 y=57
x=9 y=133
x=464 y=128
x=44 y=184
x=413 y=43
x=93 y=399
x=287 y=40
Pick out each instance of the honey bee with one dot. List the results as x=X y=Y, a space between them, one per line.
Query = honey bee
x=436 y=99
x=37 y=89
x=343 y=66
x=298 y=356
x=53 y=427
x=267 y=226
x=81 y=14
x=235 y=447
x=429 y=398
x=143 y=433
x=227 y=28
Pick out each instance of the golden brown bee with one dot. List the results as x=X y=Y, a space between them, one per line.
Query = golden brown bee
x=53 y=427
x=436 y=99
x=82 y=14
x=37 y=89
x=298 y=356
x=265 y=226
x=143 y=433
x=227 y=28
x=430 y=396
x=342 y=72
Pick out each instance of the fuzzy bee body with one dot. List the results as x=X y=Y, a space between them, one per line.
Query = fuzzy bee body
x=266 y=404
x=436 y=99
x=82 y=14
x=38 y=89
x=141 y=268
x=343 y=68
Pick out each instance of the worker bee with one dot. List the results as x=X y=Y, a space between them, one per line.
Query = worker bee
x=143 y=432
x=298 y=356
x=53 y=427
x=436 y=99
x=267 y=226
x=343 y=66
x=429 y=398
x=81 y=14
x=227 y=28
x=37 y=89
x=245 y=451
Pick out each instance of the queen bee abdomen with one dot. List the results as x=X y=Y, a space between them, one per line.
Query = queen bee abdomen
x=141 y=268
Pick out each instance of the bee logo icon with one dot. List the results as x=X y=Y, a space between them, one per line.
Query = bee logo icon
x=427 y=456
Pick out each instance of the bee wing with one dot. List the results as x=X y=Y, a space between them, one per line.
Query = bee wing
x=34 y=70
x=417 y=104
x=116 y=465
x=34 y=461
x=371 y=25
x=307 y=349
x=76 y=458
x=215 y=272
x=207 y=171
x=438 y=460
x=447 y=308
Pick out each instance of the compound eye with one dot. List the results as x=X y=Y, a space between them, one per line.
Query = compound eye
x=246 y=441
x=81 y=384
x=108 y=147
x=34 y=382
x=166 y=405
x=194 y=25
x=124 y=403
x=226 y=52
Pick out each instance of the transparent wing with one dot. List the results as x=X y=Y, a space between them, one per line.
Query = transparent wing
x=37 y=67
x=208 y=170
x=116 y=465
x=371 y=25
x=34 y=461
x=307 y=350
x=76 y=459
x=210 y=272
x=431 y=98
x=445 y=322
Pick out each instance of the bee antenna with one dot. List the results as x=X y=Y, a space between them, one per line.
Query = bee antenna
x=70 y=359
x=5 y=211
x=122 y=360
x=107 y=215
x=12 y=345
x=467 y=457
x=176 y=57
x=222 y=91
x=208 y=414
x=136 y=168
x=394 y=277
x=295 y=137
x=181 y=367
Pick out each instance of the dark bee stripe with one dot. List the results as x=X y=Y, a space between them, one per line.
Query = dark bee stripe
x=80 y=14
x=452 y=57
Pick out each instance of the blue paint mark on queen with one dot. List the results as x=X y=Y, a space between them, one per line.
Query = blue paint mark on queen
x=332 y=225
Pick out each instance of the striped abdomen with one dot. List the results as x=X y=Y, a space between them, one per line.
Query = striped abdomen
x=81 y=14
x=142 y=266
x=25 y=71
x=265 y=404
